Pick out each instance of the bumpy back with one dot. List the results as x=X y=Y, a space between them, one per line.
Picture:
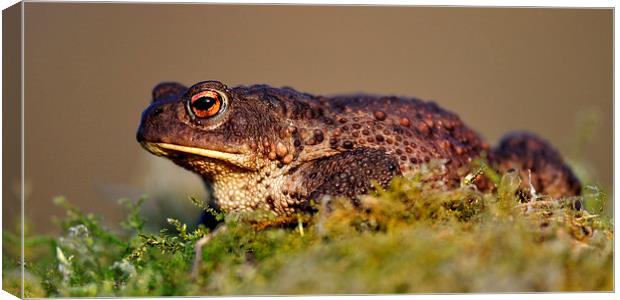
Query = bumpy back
x=525 y=151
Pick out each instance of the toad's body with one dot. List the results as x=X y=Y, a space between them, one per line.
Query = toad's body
x=260 y=147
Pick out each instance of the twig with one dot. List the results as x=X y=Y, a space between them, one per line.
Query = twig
x=198 y=248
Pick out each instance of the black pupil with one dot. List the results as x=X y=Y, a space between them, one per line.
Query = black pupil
x=204 y=103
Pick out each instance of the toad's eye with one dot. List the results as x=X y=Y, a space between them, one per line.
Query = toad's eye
x=206 y=103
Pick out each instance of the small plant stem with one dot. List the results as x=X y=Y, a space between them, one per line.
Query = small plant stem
x=198 y=248
x=300 y=225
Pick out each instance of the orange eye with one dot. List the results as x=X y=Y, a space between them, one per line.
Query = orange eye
x=206 y=104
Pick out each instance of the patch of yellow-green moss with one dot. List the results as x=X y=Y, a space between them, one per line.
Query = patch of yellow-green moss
x=402 y=239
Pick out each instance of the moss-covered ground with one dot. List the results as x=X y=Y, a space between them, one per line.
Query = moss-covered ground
x=403 y=239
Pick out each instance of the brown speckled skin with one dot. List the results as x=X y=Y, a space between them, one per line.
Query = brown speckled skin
x=289 y=147
x=524 y=151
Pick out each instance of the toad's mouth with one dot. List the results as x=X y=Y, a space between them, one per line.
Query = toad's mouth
x=165 y=149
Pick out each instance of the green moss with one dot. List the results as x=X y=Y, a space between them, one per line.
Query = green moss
x=402 y=239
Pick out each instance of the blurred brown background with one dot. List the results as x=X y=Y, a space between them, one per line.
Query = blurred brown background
x=89 y=70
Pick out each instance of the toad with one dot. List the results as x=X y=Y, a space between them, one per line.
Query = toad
x=278 y=149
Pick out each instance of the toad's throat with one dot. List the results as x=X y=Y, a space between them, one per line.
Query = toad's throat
x=163 y=149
